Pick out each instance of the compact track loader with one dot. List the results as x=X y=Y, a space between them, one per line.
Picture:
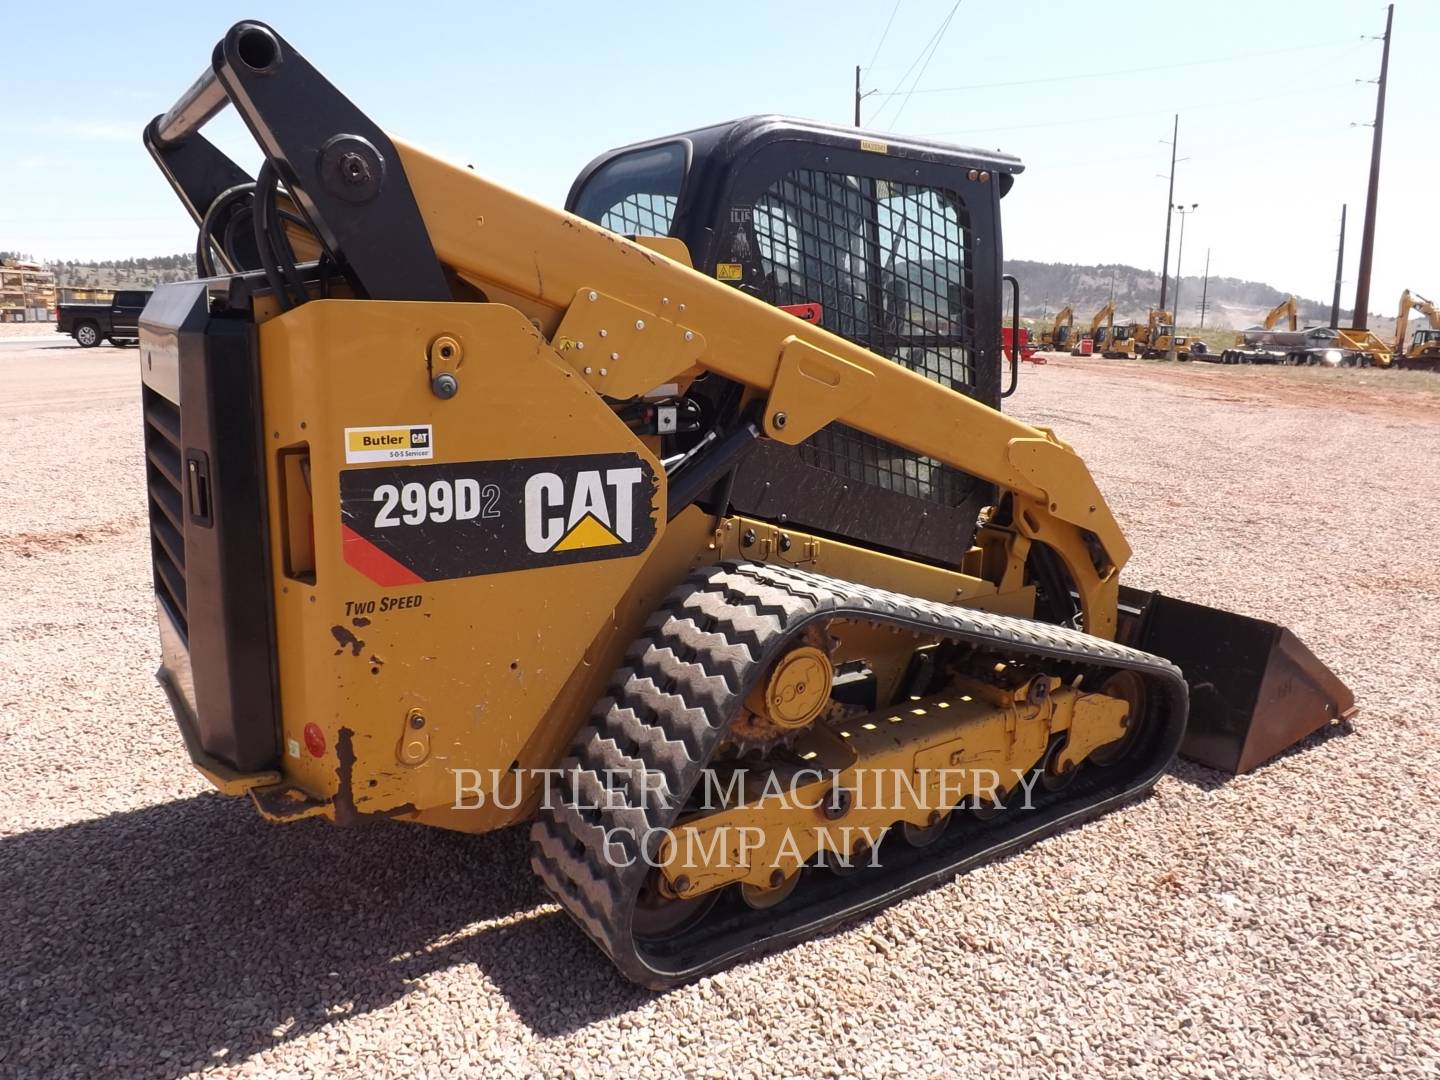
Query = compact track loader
x=683 y=523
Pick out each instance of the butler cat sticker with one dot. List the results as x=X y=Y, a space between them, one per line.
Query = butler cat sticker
x=414 y=523
x=403 y=442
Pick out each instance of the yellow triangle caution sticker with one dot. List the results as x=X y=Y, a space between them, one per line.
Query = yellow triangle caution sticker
x=587 y=533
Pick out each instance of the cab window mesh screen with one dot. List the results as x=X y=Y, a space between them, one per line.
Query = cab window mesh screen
x=889 y=264
x=641 y=215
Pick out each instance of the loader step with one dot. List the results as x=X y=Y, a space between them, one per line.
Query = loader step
x=667 y=713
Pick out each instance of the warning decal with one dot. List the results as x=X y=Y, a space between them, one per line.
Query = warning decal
x=401 y=442
x=412 y=523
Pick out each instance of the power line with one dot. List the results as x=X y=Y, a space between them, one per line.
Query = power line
x=939 y=37
x=1069 y=122
x=883 y=36
x=1292 y=137
x=1126 y=72
x=934 y=38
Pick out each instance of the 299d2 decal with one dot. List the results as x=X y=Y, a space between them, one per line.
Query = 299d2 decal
x=406 y=524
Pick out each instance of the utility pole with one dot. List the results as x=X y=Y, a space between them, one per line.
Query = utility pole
x=857 y=95
x=1205 y=290
x=1169 y=198
x=1339 y=270
x=1360 y=316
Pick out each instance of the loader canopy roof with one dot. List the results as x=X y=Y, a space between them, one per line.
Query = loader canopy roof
x=659 y=168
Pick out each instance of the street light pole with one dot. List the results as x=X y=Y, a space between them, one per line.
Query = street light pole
x=1205 y=290
x=1339 y=271
x=1184 y=212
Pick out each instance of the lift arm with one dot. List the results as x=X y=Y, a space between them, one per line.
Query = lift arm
x=1285 y=308
x=1106 y=316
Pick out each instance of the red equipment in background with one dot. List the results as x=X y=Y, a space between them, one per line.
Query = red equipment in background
x=1027 y=349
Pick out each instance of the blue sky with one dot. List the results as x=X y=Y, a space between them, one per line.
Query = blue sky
x=528 y=93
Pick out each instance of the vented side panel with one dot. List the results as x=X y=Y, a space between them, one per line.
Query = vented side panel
x=209 y=537
x=164 y=482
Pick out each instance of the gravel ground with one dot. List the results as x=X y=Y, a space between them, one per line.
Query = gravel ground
x=1282 y=923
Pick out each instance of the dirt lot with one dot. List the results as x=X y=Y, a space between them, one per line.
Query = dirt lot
x=1283 y=923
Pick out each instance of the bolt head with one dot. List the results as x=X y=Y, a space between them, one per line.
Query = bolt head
x=838 y=805
x=689 y=336
x=779 y=420
x=354 y=169
x=603 y=371
x=592 y=296
x=445 y=386
x=682 y=883
x=639 y=324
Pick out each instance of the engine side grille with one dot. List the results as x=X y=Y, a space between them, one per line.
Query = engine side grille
x=164 y=481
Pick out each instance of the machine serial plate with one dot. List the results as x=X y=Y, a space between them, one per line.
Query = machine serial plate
x=411 y=523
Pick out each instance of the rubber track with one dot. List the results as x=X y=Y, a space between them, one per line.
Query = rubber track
x=666 y=713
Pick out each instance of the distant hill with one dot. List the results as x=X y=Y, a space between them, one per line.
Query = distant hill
x=1044 y=289
x=1231 y=301
x=138 y=273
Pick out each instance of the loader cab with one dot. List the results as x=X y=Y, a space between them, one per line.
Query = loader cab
x=897 y=243
x=893 y=244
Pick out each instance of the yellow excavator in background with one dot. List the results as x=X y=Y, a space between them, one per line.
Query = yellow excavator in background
x=1286 y=308
x=1099 y=332
x=1160 y=330
x=1122 y=341
x=1422 y=351
x=1057 y=338
x=1146 y=334
x=465 y=511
